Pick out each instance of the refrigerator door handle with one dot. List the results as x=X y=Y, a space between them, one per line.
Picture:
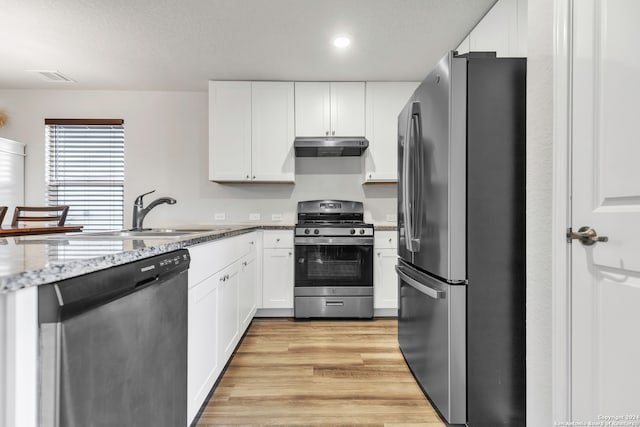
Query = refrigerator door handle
x=416 y=186
x=420 y=287
x=406 y=203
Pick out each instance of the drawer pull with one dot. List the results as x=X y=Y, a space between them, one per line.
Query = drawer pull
x=334 y=303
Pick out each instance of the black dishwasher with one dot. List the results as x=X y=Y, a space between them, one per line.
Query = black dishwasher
x=113 y=346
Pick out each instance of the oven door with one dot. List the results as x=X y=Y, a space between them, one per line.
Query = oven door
x=333 y=262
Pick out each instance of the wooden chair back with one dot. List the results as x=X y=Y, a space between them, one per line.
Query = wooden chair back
x=3 y=212
x=57 y=214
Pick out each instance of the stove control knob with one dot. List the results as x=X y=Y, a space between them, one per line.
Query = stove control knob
x=316 y=231
x=306 y=231
x=353 y=231
x=362 y=231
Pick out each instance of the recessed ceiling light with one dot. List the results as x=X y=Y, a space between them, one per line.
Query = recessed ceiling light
x=341 y=42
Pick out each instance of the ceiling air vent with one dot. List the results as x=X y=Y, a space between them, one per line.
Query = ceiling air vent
x=52 y=76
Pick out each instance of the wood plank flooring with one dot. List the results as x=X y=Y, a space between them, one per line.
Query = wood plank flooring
x=312 y=373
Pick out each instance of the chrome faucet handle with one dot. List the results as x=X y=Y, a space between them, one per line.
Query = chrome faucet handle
x=139 y=198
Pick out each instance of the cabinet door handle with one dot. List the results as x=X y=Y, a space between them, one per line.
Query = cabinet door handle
x=327 y=133
x=333 y=133
x=277 y=239
x=254 y=177
x=247 y=176
x=289 y=253
x=244 y=263
x=378 y=253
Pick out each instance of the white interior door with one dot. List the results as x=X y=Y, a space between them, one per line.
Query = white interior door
x=605 y=289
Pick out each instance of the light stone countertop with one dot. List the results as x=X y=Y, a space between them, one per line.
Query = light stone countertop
x=41 y=259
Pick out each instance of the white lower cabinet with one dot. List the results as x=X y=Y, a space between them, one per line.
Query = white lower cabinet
x=248 y=289
x=203 y=361
x=385 y=292
x=277 y=280
x=385 y=281
x=229 y=326
x=222 y=302
x=277 y=270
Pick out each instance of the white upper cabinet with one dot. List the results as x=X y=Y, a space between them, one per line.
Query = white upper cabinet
x=503 y=30
x=229 y=131
x=347 y=109
x=313 y=108
x=329 y=109
x=272 y=124
x=384 y=100
x=251 y=131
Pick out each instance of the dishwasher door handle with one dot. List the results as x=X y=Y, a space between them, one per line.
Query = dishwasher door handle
x=420 y=287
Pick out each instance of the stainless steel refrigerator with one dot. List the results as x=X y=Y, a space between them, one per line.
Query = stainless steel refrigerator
x=461 y=238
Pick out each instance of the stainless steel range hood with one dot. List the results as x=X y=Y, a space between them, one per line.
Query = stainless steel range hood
x=330 y=146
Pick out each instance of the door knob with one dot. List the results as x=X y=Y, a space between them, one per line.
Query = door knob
x=587 y=236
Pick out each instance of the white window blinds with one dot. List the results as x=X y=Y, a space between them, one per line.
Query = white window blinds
x=85 y=170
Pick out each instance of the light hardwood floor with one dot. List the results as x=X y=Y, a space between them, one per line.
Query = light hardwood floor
x=328 y=373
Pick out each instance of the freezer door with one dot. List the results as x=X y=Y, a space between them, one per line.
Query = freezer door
x=431 y=334
x=436 y=171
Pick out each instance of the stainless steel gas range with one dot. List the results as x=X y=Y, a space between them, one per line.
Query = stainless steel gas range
x=334 y=260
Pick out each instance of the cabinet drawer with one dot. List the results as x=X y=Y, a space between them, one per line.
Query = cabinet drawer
x=310 y=307
x=209 y=258
x=248 y=242
x=206 y=259
x=278 y=239
x=386 y=240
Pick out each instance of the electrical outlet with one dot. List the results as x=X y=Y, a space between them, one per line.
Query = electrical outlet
x=276 y=217
x=392 y=217
x=254 y=217
x=220 y=216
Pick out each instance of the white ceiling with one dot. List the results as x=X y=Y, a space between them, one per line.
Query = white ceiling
x=180 y=44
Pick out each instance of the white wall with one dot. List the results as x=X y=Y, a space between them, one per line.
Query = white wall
x=539 y=184
x=166 y=149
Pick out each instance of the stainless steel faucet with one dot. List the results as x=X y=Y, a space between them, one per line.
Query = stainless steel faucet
x=139 y=211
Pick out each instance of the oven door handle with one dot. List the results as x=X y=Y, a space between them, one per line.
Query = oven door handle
x=334 y=241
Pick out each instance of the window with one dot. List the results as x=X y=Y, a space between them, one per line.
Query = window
x=85 y=170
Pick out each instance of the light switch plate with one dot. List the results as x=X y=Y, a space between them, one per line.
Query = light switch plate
x=254 y=217
x=392 y=217
x=220 y=216
x=276 y=217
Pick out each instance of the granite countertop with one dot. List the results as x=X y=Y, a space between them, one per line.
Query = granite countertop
x=37 y=260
